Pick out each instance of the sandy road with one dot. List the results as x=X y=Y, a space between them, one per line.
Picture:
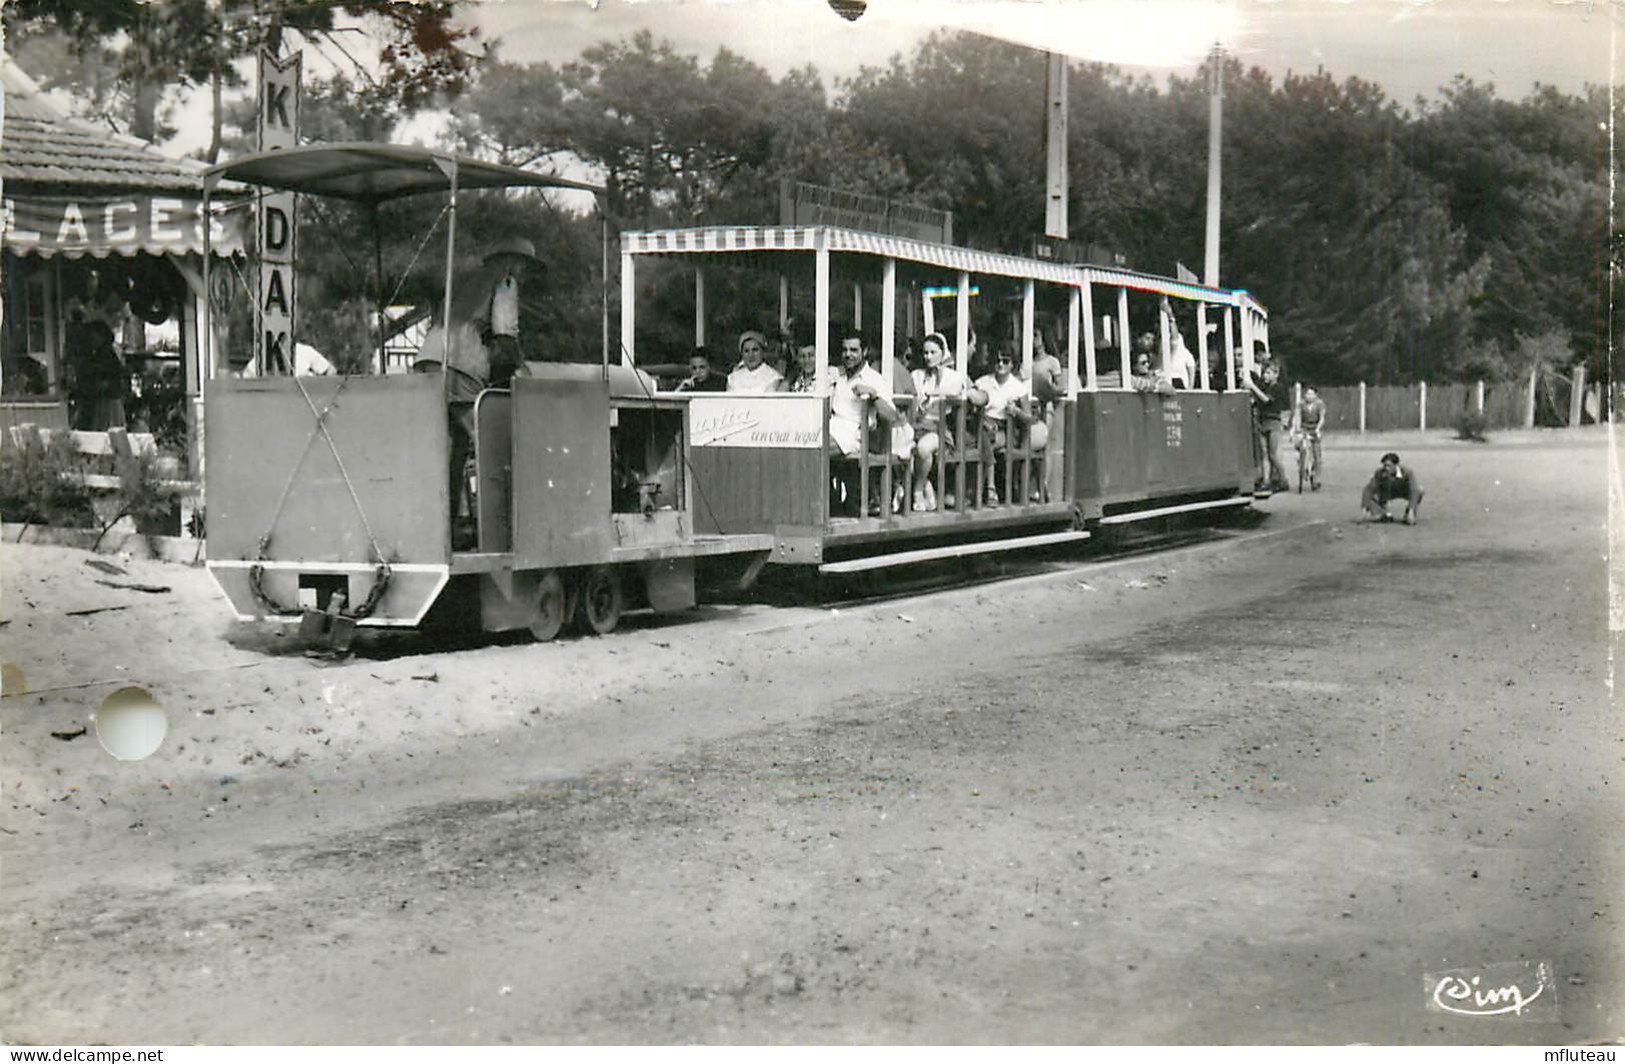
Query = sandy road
x=1243 y=794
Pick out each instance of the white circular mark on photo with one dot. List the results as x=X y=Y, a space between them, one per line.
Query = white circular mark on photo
x=130 y=724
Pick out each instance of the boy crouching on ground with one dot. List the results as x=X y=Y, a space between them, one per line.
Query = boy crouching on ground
x=1391 y=481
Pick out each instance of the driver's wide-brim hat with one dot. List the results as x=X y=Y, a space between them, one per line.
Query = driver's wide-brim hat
x=516 y=246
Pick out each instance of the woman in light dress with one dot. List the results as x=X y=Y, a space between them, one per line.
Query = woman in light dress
x=937 y=381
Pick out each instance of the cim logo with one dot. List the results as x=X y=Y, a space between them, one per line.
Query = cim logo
x=1518 y=989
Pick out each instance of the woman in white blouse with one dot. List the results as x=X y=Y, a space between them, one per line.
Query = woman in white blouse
x=753 y=374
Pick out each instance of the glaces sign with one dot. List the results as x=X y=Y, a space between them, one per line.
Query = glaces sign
x=125 y=225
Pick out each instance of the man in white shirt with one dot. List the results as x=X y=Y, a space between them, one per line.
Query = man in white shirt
x=854 y=386
x=854 y=383
x=1180 y=368
x=753 y=374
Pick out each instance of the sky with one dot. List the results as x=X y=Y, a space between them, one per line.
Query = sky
x=1409 y=47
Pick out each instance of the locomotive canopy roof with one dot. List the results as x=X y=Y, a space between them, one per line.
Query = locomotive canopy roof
x=370 y=172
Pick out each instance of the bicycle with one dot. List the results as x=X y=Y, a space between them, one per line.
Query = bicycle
x=1306 y=444
x=1306 y=457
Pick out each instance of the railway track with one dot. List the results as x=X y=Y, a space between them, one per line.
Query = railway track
x=802 y=587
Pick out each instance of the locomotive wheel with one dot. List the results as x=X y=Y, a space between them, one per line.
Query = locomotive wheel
x=601 y=600
x=552 y=607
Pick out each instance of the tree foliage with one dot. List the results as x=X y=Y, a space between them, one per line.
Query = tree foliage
x=154 y=48
x=1390 y=245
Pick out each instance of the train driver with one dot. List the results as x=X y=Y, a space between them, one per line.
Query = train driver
x=479 y=348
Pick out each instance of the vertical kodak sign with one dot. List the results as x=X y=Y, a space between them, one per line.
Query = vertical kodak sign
x=278 y=127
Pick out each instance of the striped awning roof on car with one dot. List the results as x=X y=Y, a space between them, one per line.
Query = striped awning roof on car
x=740 y=238
x=1168 y=286
x=732 y=238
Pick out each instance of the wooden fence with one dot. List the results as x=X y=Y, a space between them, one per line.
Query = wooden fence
x=1504 y=404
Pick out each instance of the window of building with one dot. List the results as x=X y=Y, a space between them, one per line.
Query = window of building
x=28 y=341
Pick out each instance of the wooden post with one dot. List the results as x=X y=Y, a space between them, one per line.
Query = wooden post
x=1201 y=347
x=1297 y=400
x=1164 y=341
x=1027 y=330
x=1055 y=147
x=888 y=321
x=1422 y=405
x=1529 y=399
x=821 y=315
x=628 y=302
x=1229 y=349
x=699 y=307
x=1362 y=406
x=888 y=360
x=1125 y=338
x=1082 y=316
x=1577 y=397
x=1478 y=397
x=1249 y=365
x=1215 y=165
x=962 y=326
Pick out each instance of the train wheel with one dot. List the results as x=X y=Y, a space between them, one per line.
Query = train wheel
x=601 y=600
x=552 y=607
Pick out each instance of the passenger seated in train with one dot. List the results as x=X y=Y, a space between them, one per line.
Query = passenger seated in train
x=932 y=434
x=1147 y=379
x=803 y=375
x=701 y=377
x=902 y=430
x=1004 y=418
x=854 y=386
x=753 y=374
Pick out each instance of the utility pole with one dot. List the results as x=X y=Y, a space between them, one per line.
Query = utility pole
x=1215 y=125
x=1055 y=113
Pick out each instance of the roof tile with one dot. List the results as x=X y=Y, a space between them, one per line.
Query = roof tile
x=43 y=145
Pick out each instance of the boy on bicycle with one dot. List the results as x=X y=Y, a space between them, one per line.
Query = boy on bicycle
x=1311 y=418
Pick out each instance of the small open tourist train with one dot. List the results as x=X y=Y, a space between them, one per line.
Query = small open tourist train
x=595 y=489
